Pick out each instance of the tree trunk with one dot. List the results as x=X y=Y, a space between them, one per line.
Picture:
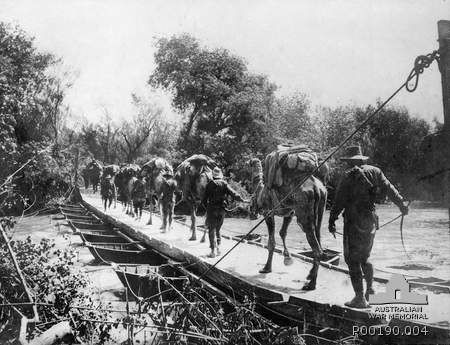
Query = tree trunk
x=192 y=117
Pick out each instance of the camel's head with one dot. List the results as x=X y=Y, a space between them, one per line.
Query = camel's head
x=255 y=167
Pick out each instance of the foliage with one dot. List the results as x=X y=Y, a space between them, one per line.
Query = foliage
x=291 y=119
x=227 y=107
x=392 y=140
x=31 y=119
x=136 y=132
x=99 y=140
x=56 y=284
x=196 y=315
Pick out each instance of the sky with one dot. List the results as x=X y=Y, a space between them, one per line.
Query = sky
x=337 y=52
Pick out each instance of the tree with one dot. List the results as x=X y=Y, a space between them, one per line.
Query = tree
x=291 y=120
x=333 y=125
x=31 y=94
x=199 y=79
x=227 y=107
x=31 y=114
x=136 y=132
x=394 y=139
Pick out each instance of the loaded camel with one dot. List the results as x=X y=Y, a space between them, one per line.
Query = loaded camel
x=192 y=176
x=282 y=175
x=124 y=181
x=158 y=174
x=92 y=174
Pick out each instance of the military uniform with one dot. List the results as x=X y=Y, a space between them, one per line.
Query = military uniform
x=216 y=193
x=356 y=194
x=108 y=191
x=358 y=203
x=167 y=199
x=138 y=196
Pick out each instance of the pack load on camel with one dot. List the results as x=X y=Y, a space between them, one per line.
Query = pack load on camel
x=111 y=170
x=156 y=166
x=287 y=162
x=189 y=170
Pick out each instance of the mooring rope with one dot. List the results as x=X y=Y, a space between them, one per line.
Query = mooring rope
x=421 y=62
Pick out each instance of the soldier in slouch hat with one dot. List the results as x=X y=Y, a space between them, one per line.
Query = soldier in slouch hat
x=356 y=195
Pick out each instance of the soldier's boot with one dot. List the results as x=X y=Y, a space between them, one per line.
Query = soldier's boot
x=368 y=276
x=359 y=301
x=212 y=254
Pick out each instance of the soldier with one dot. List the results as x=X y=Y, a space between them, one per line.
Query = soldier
x=108 y=191
x=356 y=195
x=138 y=196
x=216 y=193
x=167 y=199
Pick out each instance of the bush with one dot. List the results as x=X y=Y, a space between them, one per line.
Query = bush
x=53 y=279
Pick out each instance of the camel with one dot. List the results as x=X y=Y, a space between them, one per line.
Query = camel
x=92 y=174
x=192 y=176
x=124 y=181
x=153 y=171
x=307 y=203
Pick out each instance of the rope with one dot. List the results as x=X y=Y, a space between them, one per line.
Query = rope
x=420 y=64
x=401 y=235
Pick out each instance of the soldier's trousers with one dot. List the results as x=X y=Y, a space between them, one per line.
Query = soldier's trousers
x=214 y=222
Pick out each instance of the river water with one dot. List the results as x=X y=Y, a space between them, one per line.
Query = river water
x=426 y=236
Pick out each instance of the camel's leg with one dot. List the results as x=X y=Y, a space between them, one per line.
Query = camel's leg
x=270 y=222
x=193 y=221
x=283 y=232
x=164 y=216
x=150 y=211
x=310 y=233
x=162 y=212
x=170 y=210
x=203 y=239
x=132 y=214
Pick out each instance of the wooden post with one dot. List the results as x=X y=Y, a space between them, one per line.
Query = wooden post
x=444 y=67
x=77 y=156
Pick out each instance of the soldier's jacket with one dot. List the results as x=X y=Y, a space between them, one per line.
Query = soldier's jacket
x=355 y=196
x=107 y=189
x=168 y=190
x=216 y=193
x=138 y=191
